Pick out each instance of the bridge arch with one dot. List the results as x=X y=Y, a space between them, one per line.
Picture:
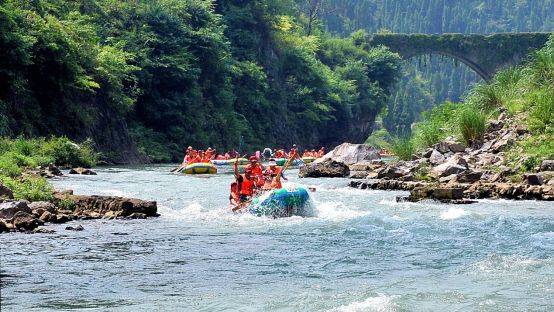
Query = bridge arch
x=485 y=54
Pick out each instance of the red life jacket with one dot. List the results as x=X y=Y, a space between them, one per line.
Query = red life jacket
x=246 y=187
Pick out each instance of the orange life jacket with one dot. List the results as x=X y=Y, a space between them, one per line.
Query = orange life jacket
x=246 y=187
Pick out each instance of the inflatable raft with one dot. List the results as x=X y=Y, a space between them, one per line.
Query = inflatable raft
x=282 y=203
x=200 y=168
x=229 y=162
x=308 y=160
x=282 y=161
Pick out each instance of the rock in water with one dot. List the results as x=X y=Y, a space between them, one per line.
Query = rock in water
x=348 y=153
x=83 y=171
x=77 y=228
x=9 y=209
x=328 y=168
x=24 y=221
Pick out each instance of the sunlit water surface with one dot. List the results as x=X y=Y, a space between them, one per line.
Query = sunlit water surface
x=362 y=252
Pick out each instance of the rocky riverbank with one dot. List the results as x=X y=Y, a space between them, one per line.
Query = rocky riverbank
x=451 y=171
x=25 y=216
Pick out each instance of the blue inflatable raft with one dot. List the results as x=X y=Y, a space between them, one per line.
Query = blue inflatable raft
x=282 y=203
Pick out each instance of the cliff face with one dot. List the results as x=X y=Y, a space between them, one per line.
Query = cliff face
x=111 y=137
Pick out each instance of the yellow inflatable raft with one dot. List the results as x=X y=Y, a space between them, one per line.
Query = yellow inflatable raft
x=308 y=160
x=200 y=168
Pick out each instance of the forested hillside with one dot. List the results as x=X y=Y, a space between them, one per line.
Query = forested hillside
x=165 y=74
x=430 y=81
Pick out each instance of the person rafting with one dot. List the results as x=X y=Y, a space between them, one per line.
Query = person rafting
x=245 y=187
x=257 y=171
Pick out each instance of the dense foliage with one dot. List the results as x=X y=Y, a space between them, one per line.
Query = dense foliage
x=429 y=81
x=184 y=72
x=19 y=155
x=524 y=92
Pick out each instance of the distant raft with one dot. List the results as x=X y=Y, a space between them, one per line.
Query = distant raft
x=282 y=161
x=308 y=160
x=229 y=162
x=282 y=203
x=200 y=168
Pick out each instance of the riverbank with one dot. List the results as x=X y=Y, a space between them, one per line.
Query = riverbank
x=28 y=200
x=450 y=171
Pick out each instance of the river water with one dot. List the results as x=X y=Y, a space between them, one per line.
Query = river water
x=362 y=252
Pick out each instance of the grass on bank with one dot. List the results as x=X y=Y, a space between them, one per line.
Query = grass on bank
x=524 y=92
x=18 y=155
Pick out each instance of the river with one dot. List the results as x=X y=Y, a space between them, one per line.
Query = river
x=362 y=252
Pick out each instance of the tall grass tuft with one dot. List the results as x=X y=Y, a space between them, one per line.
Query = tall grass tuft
x=542 y=110
x=403 y=147
x=472 y=124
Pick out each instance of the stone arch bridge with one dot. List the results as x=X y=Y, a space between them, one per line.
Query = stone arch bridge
x=485 y=54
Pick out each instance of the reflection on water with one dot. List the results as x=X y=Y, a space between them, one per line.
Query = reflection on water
x=361 y=252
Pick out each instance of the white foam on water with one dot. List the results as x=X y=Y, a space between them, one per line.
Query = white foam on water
x=381 y=303
x=507 y=264
x=337 y=211
x=453 y=213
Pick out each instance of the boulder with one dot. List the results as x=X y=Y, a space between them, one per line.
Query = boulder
x=521 y=129
x=501 y=145
x=358 y=174
x=427 y=153
x=547 y=165
x=24 y=221
x=77 y=228
x=83 y=171
x=392 y=172
x=455 y=165
x=40 y=207
x=469 y=176
x=533 y=179
x=61 y=218
x=47 y=216
x=436 y=158
x=447 y=193
x=348 y=153
x=5 y=192
x=327 y=168
x=9 y=209
x=3 y=227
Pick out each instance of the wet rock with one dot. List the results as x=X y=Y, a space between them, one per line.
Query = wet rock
x=358 y=174
x=48 y=216
x=41 y=230
x=447 y=193
x=469 y=176
x=5 y=192
x=77 y=228
x=328 y=168
x=9 y=209
x=24 y=221
x=392 y=172
x=137 y=215
x=3 y=227
x=40 y=207
x=62 y=218
x=547 y=165
x=83 y=171
x=533 y=179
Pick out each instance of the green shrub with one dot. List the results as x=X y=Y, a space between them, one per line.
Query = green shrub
x=472 y=124
x=29 y=188
x=486 y=96
x=542 y=110
x=379 y=139
x=62 y=151
x=403 y=148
